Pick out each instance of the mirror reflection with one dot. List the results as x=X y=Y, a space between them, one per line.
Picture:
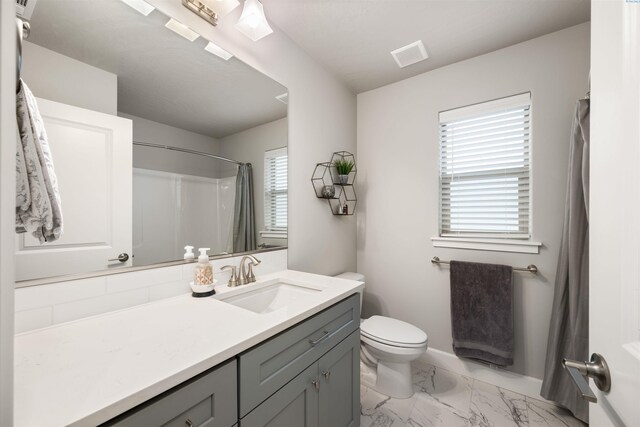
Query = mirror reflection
x=158 y=143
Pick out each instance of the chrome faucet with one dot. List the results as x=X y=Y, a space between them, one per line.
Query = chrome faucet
x=247 y=276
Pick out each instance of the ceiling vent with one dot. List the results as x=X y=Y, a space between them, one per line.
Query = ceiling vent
x=24 y=8
x=410 y=54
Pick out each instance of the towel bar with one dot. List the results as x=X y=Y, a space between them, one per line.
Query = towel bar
x=531 y=268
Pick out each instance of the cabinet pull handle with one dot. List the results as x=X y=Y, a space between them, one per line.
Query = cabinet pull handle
x=325 y=335
x=326 y=375
x=316 y=384
x=189 y=423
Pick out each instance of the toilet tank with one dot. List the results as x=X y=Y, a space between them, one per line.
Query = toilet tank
x=349 y=275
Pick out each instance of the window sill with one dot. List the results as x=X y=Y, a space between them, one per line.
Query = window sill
x=498 y=245
x=273 y=234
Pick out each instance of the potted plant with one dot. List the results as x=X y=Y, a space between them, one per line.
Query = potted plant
x=343 y=167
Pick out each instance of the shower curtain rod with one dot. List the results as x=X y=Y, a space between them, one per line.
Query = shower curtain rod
x=531 y=268
x=184 y=150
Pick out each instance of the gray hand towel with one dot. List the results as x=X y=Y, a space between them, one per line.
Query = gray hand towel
x=482 y=312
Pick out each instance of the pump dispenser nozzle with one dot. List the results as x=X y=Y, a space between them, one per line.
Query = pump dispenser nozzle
x=189 y=252
x=204 y=257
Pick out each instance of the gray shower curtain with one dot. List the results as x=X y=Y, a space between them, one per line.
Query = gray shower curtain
x=569 y=329
x=244 y=224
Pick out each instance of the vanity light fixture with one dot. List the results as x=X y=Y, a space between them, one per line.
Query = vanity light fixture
x=218 y=51
x=252 y=22
x=221 y=7
x=140 y=5
x=211 y=10
x=181 y=29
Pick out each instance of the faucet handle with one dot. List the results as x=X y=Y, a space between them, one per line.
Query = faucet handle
x=233 y=281
x=250 y=276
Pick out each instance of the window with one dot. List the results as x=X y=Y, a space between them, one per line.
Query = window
x=484 y=169
x=275 y=193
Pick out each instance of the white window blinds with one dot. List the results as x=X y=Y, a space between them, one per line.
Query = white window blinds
x=275 y=190
x=484 y=169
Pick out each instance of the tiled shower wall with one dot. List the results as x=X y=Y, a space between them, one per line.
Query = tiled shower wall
x=45 y=305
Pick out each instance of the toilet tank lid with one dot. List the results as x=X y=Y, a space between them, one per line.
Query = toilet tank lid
x=351 y=276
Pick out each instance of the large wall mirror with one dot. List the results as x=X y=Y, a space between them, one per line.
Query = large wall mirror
x=158 y=143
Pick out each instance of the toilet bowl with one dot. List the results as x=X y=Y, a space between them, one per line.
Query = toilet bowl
x=389 y=345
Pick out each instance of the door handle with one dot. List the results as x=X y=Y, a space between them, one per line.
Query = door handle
x=597 y=369
x=326 y=375
x=123 y=257
x=316 y=384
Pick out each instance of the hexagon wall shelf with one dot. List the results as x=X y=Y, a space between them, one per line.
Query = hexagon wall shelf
x=341 y=196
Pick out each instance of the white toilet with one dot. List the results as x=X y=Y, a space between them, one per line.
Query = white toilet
x=389 y=345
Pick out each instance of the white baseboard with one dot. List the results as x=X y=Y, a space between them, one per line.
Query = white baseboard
x=522 y=384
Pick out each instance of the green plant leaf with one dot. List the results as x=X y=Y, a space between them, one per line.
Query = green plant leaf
x=343 y=166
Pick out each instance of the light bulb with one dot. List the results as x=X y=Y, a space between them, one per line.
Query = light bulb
x=252 y=22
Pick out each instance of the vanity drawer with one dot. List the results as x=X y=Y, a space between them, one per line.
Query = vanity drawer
x=269 y=366
x=207 y=400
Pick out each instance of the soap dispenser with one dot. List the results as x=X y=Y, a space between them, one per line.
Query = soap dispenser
x=204 y=269
x=188 y=254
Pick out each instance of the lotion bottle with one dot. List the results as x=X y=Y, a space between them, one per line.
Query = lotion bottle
x=204 y=269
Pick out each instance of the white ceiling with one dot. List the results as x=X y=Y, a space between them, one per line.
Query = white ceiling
x=161 y=76
x=354 y=38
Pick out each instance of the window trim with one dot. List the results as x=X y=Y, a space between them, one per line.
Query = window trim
x=509 y=242
x=267 y=232
x=498 y=245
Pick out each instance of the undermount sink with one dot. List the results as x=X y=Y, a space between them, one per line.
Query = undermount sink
x=274 y=296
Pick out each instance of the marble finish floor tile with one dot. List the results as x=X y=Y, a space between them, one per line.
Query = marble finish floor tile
x=444 y=398
x=494 y=406
x=545 y=414
x=429 y=412
x=445 y=387
x=378 y=410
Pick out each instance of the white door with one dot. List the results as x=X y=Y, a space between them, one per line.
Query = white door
x=614 y=219
x=92 y=154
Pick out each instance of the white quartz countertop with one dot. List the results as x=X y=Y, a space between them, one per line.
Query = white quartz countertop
x=86 y=372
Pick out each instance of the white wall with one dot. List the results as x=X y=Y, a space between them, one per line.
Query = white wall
x=56 y=77
x=399 y=206
x=173 y=161
x=322 y=119
x=7 y=205
x=249 y=146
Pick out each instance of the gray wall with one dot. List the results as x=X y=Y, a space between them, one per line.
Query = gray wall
x=399 y=207
x=249 y=146
x=322 y=119
x=56 y=77
x=173 y=161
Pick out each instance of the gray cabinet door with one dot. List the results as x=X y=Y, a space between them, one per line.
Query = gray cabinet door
x=267 y=367
x=339 y=372
x=209 y=399
x=294 y=405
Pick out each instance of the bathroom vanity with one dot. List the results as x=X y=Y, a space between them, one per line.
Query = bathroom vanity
x=282 y=351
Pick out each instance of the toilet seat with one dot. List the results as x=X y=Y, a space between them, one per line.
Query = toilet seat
x=393 y=332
